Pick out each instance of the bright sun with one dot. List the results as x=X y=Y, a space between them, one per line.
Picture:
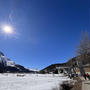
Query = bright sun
x=7 y=29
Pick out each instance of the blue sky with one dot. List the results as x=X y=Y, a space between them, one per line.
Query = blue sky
x=47 y=31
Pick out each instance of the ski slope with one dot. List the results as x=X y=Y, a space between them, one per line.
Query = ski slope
x=30 y=81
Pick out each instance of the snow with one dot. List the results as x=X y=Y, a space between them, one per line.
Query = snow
x=10 y=63
x=7 y=61
x=30 y=81
x=36 y=70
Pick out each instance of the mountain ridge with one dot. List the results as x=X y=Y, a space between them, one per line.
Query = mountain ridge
x=70 y=63
x=7 y=65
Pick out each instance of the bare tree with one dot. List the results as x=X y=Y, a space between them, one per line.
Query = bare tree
x=84 y=47
x=83 y=50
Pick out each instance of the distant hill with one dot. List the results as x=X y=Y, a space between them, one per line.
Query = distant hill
x=84 y=61
x=69 y=63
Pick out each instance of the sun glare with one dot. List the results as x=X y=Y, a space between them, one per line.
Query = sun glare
x=7 y=29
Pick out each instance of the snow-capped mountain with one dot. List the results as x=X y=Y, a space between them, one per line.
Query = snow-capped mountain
x=7 y=65
x=36 y=70
x=6 y=61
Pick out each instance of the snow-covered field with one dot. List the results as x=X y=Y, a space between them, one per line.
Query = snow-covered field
x=30 y=81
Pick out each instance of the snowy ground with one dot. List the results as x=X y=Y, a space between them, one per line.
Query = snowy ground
x=30 y=81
